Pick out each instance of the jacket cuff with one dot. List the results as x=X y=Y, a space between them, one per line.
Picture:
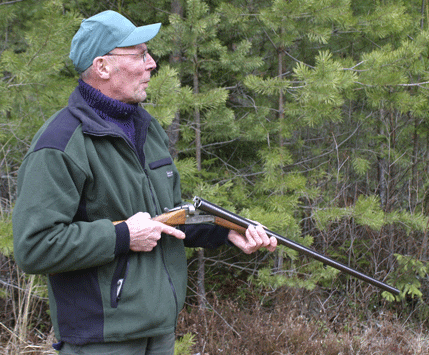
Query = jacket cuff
x=122 y=238
x=205 y=235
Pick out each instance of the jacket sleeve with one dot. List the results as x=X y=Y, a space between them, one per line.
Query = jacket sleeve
x=205 y=236
x=46 y=237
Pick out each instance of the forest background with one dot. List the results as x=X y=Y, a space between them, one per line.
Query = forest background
x=308 y=116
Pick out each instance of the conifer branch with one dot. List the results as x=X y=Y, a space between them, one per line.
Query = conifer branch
x=9 y=2
x=286 y=52
x=414 y=84
x=404 y=85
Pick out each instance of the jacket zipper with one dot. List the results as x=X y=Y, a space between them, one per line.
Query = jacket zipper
x=173 y=289
x=120 y=281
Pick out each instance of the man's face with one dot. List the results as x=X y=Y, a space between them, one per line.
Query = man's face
x=130 y=75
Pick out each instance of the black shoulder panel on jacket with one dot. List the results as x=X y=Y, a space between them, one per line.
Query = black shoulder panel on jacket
x=58 y=132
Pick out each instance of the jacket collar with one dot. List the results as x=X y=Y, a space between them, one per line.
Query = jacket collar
x=93 y=124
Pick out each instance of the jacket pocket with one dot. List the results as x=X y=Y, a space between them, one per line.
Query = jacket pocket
x=159 y=163
x=118 y=280
x=164 y=177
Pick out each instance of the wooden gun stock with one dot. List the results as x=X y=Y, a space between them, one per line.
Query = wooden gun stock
x=180 y=216
x=172 y=218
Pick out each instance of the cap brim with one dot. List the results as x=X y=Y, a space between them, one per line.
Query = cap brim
x=141 y=35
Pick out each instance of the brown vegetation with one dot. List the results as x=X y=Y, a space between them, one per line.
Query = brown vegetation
x=290 y=326
x=240 y=319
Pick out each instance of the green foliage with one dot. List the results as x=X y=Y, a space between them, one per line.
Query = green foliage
x=307 y=277
x=269 y=86
x=165 y=96
x=217 y=194
x=301 y=103
x=188 y=174
x=6 y=236
x=410 y=222
x=184 y=345
x=220 y=124
x=320 y=94
x=239 y=60
x=361 y=165
x=407 y=277
x=37 y=79
x=209 y=100
x=313 y=19
x=387 y=19
x=367 y=212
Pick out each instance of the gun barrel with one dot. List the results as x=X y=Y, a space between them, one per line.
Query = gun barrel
x=215 y=210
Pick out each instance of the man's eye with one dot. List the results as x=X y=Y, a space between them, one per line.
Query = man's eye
x=144 y=56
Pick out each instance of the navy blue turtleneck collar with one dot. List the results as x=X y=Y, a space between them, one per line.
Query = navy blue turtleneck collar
x=110 y=109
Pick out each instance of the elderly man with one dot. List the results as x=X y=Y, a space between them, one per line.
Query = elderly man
x=113 y=288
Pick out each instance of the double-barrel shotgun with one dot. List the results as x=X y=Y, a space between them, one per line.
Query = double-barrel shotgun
x=203 y=211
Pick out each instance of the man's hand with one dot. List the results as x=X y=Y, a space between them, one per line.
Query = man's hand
x=145 y=233
x=254 y=239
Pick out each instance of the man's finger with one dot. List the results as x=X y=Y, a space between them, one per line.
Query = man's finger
x=273 y=244
x=173 y=231
x=263 y=235
x=253 y=236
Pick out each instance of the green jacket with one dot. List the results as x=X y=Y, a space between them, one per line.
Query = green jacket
x=80 y=174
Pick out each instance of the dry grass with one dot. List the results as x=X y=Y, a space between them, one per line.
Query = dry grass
x=226 y=328
x=241 y=320
x=40 y=346
x=24 y=324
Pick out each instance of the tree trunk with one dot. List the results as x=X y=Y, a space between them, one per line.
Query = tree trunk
x=414 y=169
x=278 y=259
x=197 y=120
x=173 y=131
x=382 y=185
x=201 y=292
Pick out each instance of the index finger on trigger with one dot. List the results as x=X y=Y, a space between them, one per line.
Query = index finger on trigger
x=174 y=232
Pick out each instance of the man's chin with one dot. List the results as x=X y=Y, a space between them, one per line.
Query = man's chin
x=138 y=99
x=141 y=97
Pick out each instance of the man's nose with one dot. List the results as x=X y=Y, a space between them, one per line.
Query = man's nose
x=150 y=62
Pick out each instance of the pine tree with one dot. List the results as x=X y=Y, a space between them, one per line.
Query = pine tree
x=204 y=117
x=36 y=81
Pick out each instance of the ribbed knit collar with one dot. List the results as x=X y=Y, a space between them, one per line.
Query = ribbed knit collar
x=110 y=109
x=102 y=103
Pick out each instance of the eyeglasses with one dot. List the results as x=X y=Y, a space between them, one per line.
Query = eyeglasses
x=143 y=55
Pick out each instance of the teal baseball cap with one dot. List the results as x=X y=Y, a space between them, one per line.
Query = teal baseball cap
x=101 y=33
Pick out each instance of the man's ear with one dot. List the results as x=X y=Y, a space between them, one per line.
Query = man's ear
x=101 y=67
